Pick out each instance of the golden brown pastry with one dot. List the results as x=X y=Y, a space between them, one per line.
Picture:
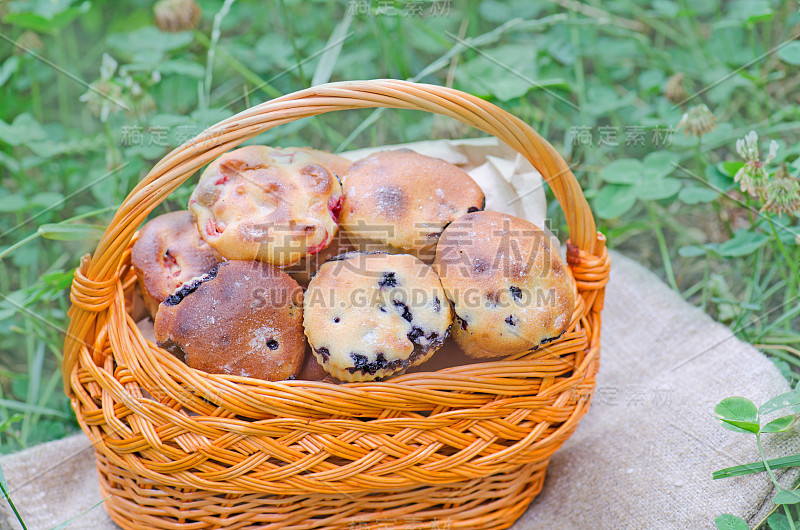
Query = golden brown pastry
x=335 y=163
x=400 y=201
x=267 y=204
x=369 y=316
x=168 y=252
x=243 y=318
x=510 y=289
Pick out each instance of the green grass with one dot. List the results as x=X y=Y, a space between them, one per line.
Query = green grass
x=590 y=78
x=603 y=68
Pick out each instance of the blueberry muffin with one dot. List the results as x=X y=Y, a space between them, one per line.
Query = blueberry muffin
x=510 y=289
x=369 y=316
x=400 y=201
x=266 y=204
x=243 y=318
x=168 y=252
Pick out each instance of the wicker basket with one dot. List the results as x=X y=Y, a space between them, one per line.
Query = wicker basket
x=464 y=447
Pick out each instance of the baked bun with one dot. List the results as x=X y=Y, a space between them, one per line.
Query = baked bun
x=400 y=201
x=267 y=204
x=369 y=316
x=510 y=289
x=243 y=318
x=335 y=163
x=168 y=252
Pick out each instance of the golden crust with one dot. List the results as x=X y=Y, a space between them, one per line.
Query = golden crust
x=246 y=320
x=267 y=204
x=168 y=252
x=369 y=316
x=335 y=163
x=510 y=289
x=400 y=201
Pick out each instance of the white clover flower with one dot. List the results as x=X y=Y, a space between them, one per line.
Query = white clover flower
x=102 y=98
x=783 y=193
x=108 y=67
x=752 y=176
x=747 y=147
x=697 y=121
x=773 y=151
x=176 y=15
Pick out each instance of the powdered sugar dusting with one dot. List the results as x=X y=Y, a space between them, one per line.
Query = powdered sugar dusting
x=370 y=337
x=260 y=336
x=389 y=201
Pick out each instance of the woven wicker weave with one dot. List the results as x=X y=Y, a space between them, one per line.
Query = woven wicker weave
x=464 y=447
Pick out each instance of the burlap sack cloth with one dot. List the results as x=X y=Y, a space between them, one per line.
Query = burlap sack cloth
x=641 y=458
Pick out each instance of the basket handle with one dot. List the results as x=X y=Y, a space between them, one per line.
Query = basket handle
x=94 y=284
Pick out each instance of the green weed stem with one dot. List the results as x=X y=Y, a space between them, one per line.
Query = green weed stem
x=706 y=276
x=297 y=56
x=13 y=507
x=774 y=480
x=793 y=265
x=662 y=246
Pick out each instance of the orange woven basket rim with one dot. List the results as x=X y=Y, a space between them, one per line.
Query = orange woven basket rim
x=96 y=282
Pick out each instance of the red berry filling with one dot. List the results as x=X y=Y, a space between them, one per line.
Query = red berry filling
x=229 y=169
x=318 y=248
x=171 y=264
x=212 y=228
x=335 y=207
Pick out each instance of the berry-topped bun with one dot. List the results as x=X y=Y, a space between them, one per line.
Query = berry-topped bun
x=369 y=316
x=168 y=252
x=510 y=289
x=243 y=318
x=400 y=201
x=268 y=204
